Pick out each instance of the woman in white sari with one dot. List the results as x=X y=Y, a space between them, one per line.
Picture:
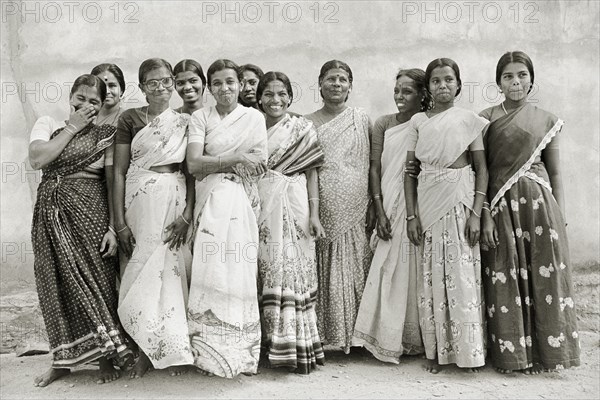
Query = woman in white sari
x=227 y=153
x=289 y=194
x=153 y=210
x=387 y=323
x=446 y=225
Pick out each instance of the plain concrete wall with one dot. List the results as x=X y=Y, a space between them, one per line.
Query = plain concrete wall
x=45 y=45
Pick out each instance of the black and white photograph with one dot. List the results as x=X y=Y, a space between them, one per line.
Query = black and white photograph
x=300 y=199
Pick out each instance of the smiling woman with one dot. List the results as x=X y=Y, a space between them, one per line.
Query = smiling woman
x=189 y=83
x=343 y=255
x=74 y=242
x=226 y=153
x=152 y=218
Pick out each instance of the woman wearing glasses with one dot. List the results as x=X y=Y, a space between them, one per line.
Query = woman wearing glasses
x=153 y=211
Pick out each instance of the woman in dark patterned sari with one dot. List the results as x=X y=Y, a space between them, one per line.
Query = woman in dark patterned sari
x=532 y=323
x=73 y=243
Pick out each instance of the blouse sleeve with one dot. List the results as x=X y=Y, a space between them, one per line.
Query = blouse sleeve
x=42 y=129
x=377 y=139
x=197 y=127
x=124 y=129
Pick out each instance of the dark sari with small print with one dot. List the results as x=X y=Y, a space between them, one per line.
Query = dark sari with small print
x=75 y=285
x=527 y=278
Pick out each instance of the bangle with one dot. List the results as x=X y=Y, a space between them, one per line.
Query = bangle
x=69 y=132
x=485 y=208
x=185 y=220
x=122 y=229
x=377 y=196
x=477 y=215
x=313 y=199
x=411 y=217
x=486 y=202
x=111 y=229
x=481 y=193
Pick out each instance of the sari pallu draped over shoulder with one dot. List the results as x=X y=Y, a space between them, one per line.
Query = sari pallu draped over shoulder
x=343 y=256
x=286 y=264
x=75 y=285
x=527 y=277
x=450 y=297
x=223 y=313
x=387 y=323
x=153 y=293
x=528 y=128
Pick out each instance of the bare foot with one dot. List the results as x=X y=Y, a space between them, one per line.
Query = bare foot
x=433 y=366
x=50 y=376
x=141 y=366
x=504 y=371
x=475 y=370
x=108 y=373
x=178 y=370
x=535 y=370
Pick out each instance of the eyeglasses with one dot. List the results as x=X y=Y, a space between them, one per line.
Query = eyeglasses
x=153 y=84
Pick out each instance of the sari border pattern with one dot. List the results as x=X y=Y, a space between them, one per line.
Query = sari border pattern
x=527 y=166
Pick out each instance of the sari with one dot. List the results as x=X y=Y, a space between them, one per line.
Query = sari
x=387 y=323
x=449 y=276
x=75 y=285
x=286 y=260
x=527 y=278
x=343 y=256
x=153 y=293
x=223 y=315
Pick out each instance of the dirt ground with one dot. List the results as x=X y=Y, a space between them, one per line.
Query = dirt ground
x=357 y=375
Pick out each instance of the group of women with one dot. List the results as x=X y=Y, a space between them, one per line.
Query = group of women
x=248 y=232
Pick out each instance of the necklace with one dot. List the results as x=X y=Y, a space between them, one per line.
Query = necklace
x=505 y=112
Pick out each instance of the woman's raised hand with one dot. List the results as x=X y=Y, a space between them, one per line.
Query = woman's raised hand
x=82 y=117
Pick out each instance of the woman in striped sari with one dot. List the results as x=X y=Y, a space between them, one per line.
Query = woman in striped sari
x=288 y=223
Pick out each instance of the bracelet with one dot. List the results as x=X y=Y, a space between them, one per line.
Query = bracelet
x=185 y=220
x=122 y=229
x=411 y=217
x=485 y=208
x=111 y=229
x=481 y=193
x=74 y=127
x=477 y=215
x=377 y=196
x=313 y=199
x=486 y=202
x=69 y=132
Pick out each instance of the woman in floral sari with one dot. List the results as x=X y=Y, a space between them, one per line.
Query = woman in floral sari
x=447 y=140
x=289 y=195
x=153 y=210
x=343 y=255
x=227 y=153
x=73 y=241
x=532 y=324
x=387 y=323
